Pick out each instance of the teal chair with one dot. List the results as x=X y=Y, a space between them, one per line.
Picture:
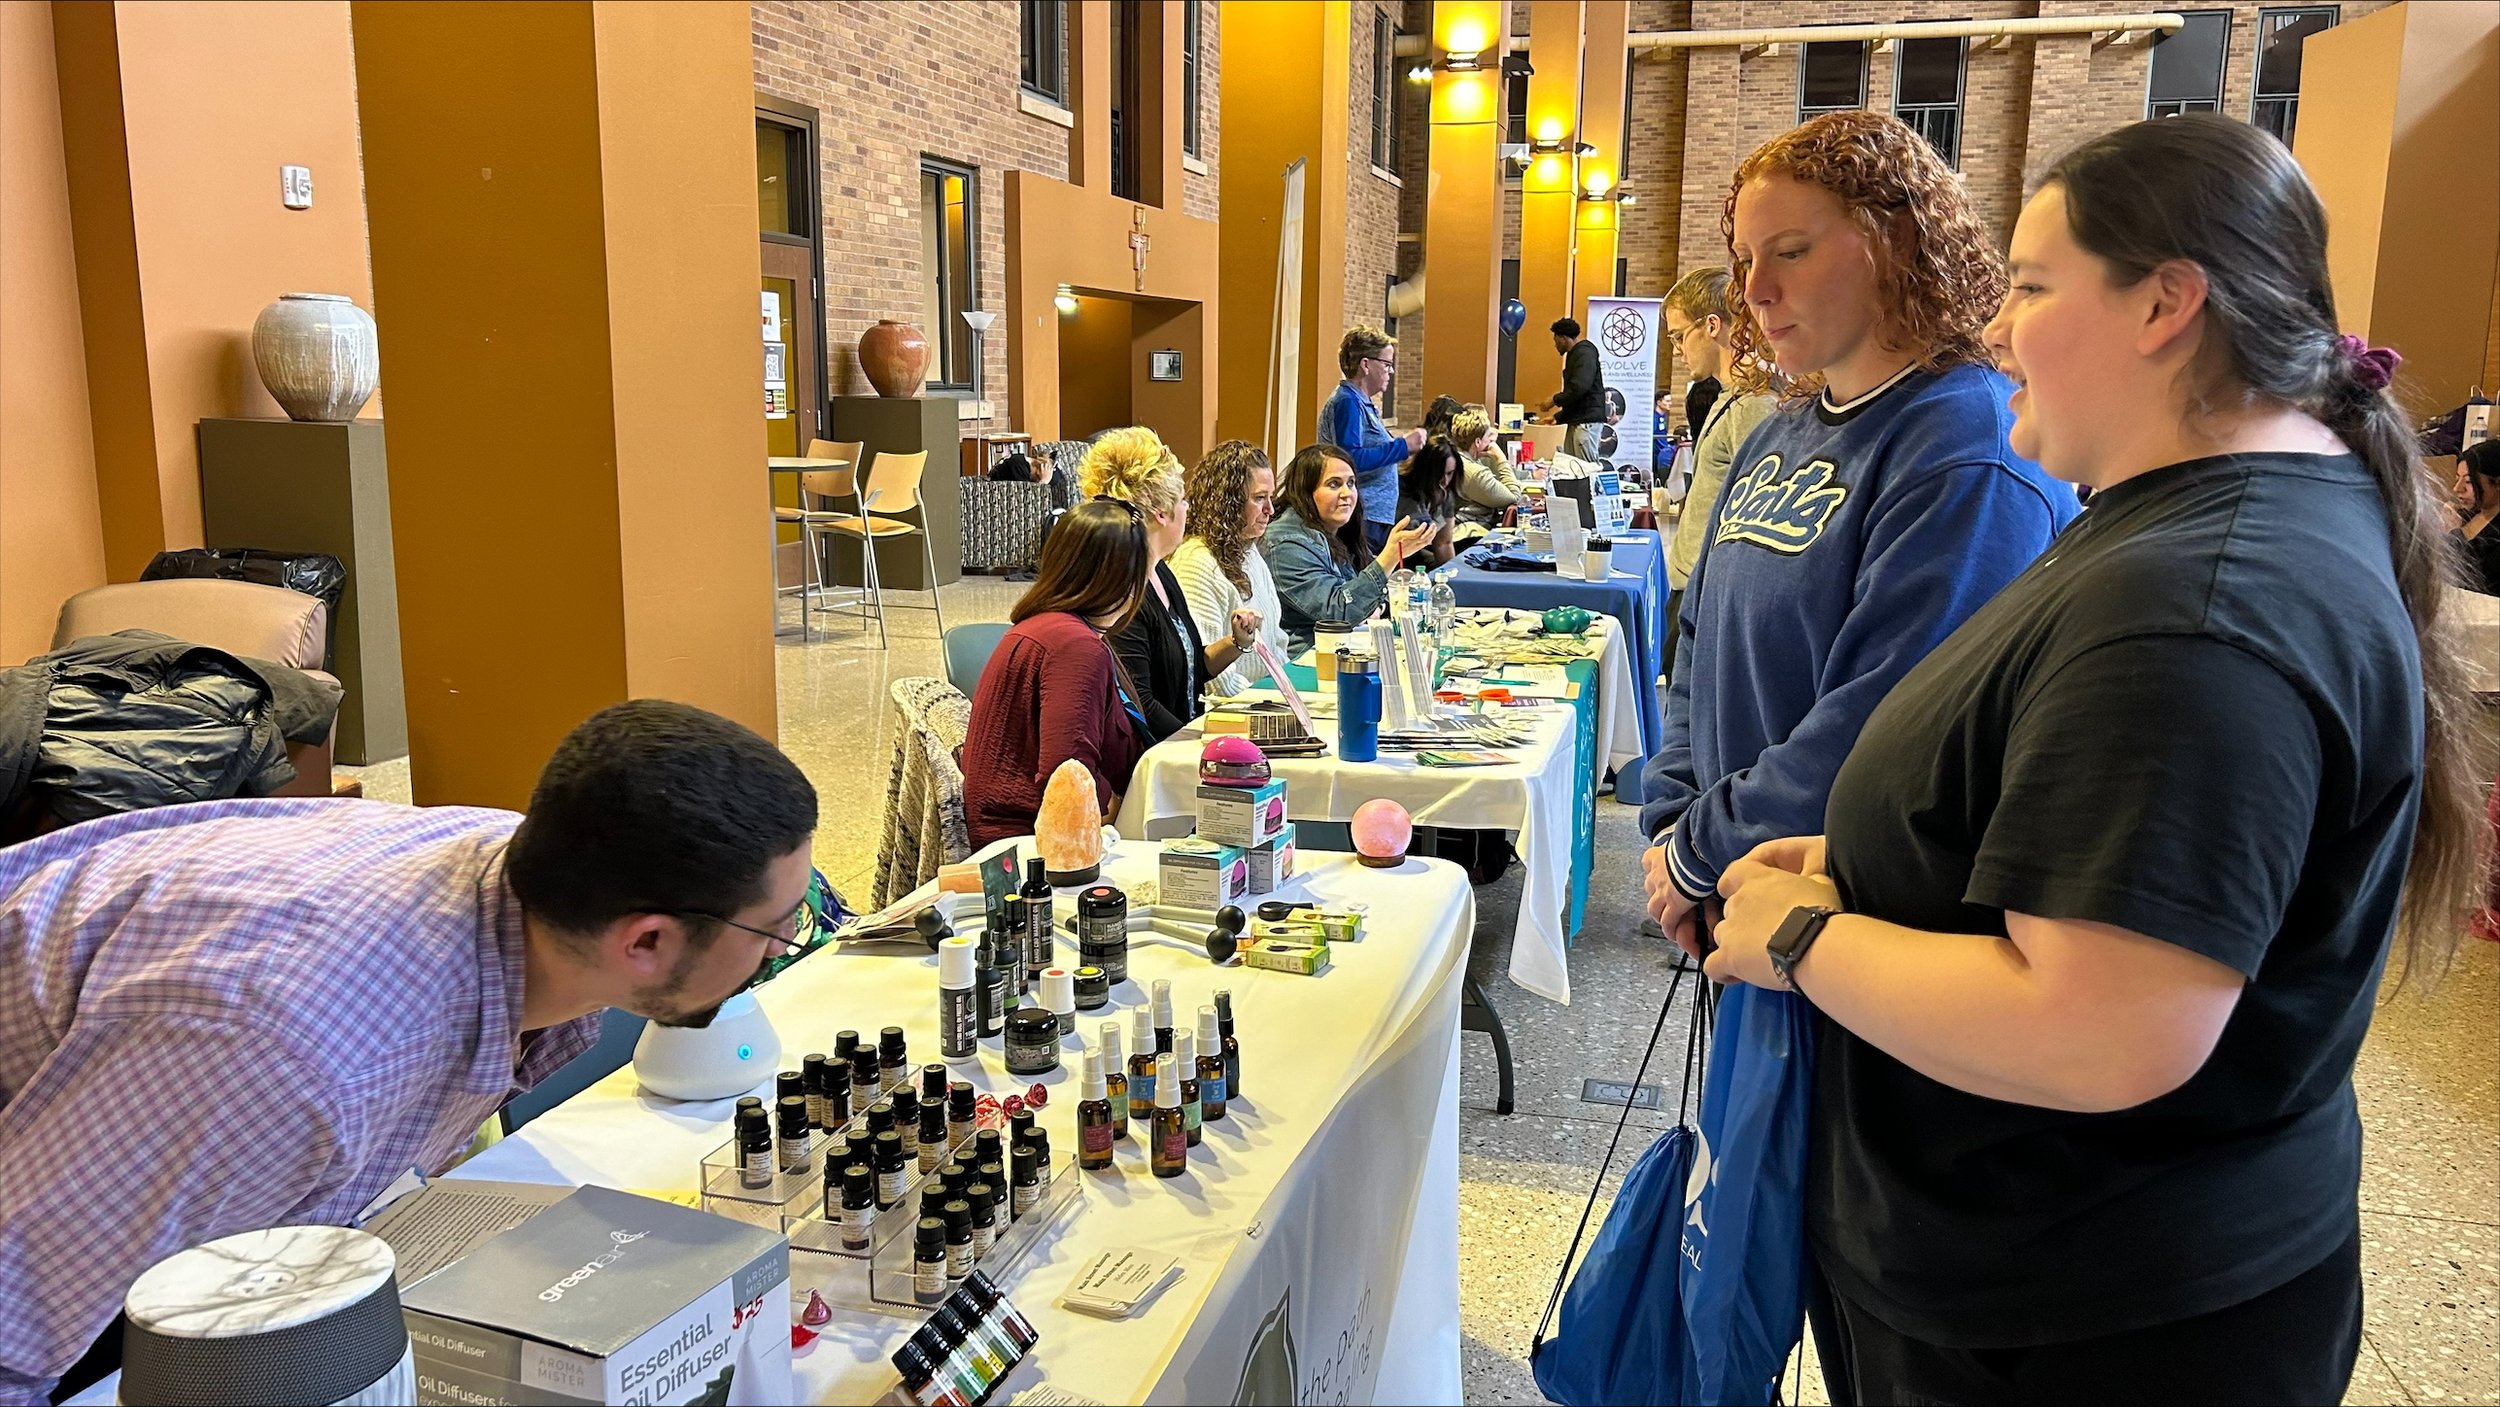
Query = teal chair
x=968 y=651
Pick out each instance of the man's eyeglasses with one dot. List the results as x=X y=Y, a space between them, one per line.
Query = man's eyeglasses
x=789 y=945
x=1383 y=361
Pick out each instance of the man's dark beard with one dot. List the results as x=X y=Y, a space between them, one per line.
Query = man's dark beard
x=693 y=1021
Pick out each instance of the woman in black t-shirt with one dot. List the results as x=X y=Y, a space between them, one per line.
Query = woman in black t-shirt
x=2112 y=874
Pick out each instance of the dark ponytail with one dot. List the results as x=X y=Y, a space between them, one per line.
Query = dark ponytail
x=2228 y=198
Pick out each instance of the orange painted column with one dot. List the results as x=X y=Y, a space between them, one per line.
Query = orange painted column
x=1601 y=126
x=563 y=226
x=1291 y=111
x=1547 y=195
x=1463 y=227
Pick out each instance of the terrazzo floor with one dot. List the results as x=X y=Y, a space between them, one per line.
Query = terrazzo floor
x=2428 y=1078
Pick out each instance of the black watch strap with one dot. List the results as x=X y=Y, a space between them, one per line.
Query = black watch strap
x=1797 y=933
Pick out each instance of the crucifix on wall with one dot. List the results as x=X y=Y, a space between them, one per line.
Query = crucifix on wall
x=1138 y=244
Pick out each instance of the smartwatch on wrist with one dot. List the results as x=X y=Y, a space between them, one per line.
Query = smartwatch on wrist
x=1797 y=933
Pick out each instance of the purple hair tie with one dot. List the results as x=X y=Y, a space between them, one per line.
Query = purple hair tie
x=2372 y=367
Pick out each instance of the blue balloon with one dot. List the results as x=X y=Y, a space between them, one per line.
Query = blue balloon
x=1514 y=317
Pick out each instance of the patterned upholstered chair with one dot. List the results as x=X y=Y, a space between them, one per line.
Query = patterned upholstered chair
x=1003 y=522
x=924 y=814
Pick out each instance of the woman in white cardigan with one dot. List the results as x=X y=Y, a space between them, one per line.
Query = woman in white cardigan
x=1232 y=494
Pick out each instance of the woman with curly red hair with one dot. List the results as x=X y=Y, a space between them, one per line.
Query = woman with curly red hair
x=1863 y=520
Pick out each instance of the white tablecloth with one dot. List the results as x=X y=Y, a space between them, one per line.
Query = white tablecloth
x=1318 y=1226
x=1532 y=796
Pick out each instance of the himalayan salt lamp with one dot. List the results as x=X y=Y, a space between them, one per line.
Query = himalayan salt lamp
x=1381 y=830
x=1068 y=831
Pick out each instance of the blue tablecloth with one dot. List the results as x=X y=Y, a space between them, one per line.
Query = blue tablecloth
x=1636 y=596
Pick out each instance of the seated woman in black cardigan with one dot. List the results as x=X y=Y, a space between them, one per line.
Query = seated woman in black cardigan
x=1160 y=646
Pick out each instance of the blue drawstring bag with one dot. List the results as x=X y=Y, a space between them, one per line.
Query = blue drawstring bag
x=1623 y=1337
x=1743 y=1247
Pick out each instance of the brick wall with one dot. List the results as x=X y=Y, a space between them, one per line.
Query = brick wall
x=1200 y=195
x=892 y=83
x=1372 y=199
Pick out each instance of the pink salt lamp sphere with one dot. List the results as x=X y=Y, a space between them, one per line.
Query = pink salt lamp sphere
x=1382 y=831
x=1068 y=830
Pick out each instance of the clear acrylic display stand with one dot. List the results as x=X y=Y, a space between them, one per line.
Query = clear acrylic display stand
x=879 y=1279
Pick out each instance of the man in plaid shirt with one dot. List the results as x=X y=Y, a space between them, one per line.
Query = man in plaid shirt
x=244 y=1014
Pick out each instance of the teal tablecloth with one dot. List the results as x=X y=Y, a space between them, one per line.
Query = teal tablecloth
x=1583 y=776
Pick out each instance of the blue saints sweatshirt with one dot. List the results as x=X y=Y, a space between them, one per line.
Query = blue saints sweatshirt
x=1849 y=541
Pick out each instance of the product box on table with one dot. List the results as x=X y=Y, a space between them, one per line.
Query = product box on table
x=1198 y=874
x=1243 y=816
x=1271 y=861
x=606 y=1297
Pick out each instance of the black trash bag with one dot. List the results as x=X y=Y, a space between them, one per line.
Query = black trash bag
x=313 y=573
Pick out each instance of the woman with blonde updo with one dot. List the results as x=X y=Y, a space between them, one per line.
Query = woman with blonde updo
x=1161 y=646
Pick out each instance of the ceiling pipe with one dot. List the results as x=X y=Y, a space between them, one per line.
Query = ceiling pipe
x=2152 y=22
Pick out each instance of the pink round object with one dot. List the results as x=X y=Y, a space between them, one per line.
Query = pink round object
x=1038 y=1097
x=1382 y=831
x=1229 y=760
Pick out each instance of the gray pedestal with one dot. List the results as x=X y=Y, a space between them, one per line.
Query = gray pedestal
x=907 y=425
x=294 y=487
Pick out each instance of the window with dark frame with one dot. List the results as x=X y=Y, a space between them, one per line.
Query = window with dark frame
x=1384 y=92
x=1189 y=78
x=950 y=220
x=1045 y=49
x=1927 y=77
x=2274 y=98
x=1515 y=103
x=2186 y=71
x=1831 y=77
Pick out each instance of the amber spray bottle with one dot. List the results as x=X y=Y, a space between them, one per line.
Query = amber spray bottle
x=1169 y=1138
x=1211 y=1074
x=1094 y=1123
x=1115 y=1078
x=1141 y=1067
x=1185 y=1060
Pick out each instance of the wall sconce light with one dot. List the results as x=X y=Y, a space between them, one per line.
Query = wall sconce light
x=1550 y=173
x=1466 y=61
x=1065 y=301
x=1626 y=198
x=1548 y=135
x=1595 y=184
x=1420 y=73
x=1584 y=149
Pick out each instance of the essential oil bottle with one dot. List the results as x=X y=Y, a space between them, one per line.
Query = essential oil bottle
x=1041 y=940
x=928 y=1271
x=889 y=1164
x=1169 y=1138
x=1115 y=1078
x=755 y=1148
x=932 y=1134
x=961 y=1108
x=812 y=1084
x=1212 y=1078
x=892 y=1056
x=858 y=1206
x=791 y=1132
x=837 y=1084
x=906 y=1102
x=1141 y=1068
x=1162 y=1005
x=1185 y=1060
x=1093 y=1120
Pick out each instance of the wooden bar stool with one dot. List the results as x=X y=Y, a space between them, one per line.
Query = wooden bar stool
x=893 y=486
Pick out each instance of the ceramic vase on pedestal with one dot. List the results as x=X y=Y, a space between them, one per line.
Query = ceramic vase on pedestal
x=317 y=354
x=896 y=358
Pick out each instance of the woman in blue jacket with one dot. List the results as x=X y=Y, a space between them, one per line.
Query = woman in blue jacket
x=1315 y=549
x=1349 y=423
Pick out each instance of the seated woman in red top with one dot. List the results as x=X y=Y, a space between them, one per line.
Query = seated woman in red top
x=1054 y=690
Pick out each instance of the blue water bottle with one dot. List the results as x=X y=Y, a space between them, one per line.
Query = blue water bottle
x=1358 y=707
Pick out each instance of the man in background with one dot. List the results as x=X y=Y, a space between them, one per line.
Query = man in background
x=1581 y=403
